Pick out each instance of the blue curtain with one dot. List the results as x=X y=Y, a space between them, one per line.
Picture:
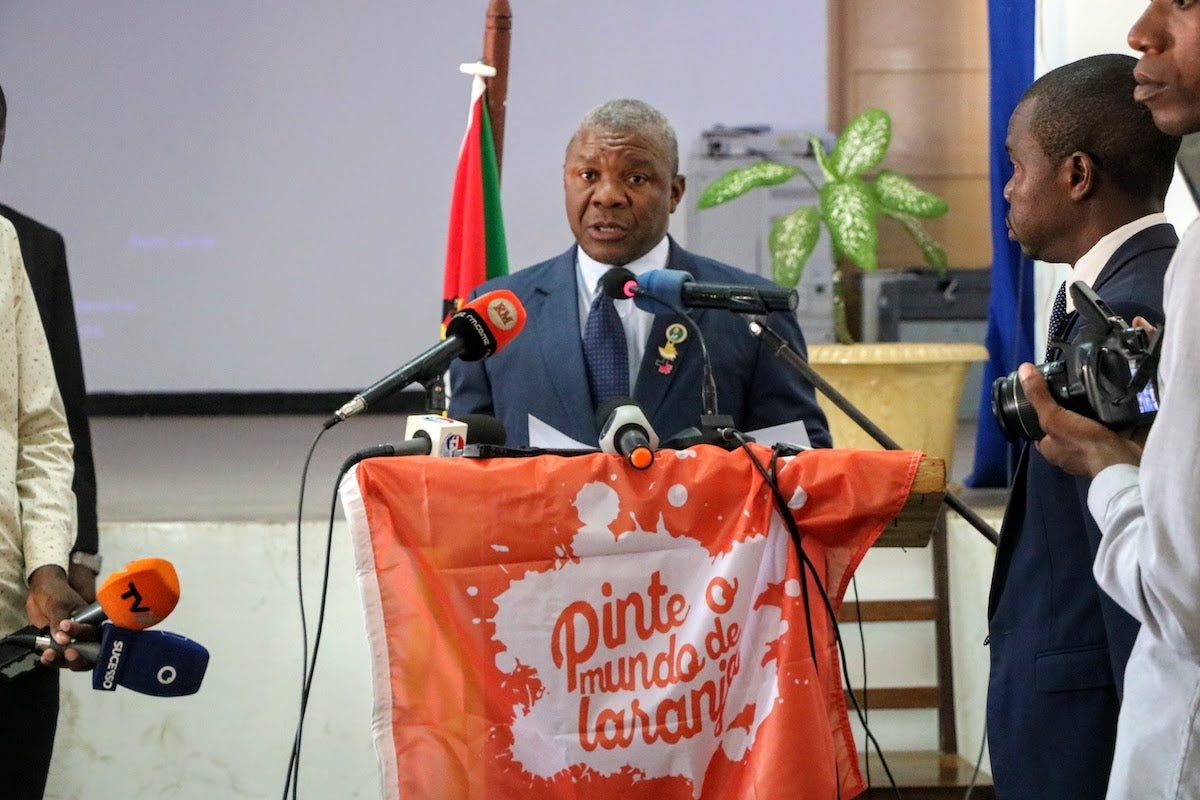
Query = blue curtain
x=1010 y=310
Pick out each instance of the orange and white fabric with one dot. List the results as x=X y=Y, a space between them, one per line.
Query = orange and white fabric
x=555 y=627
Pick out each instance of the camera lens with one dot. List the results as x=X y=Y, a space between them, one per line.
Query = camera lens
x=1012 y=410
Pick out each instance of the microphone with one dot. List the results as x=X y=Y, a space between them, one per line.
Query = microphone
x=620 y=283
x=35 y=641
x=150 y=662
x=440 y=436
x=484 y=429
x=156 y=663
x=450 y=436
x=141 y=594
x=658 y=290
x=18 y=653
x=477 y=330
x=625 y=430
x=137 y=596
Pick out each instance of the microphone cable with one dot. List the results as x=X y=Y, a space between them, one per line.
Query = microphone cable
x=862 y=652
x=770 y=478
x=321 y=608
x=293 y=758
x=308 y=666
x=708 y=387
x=615 y=283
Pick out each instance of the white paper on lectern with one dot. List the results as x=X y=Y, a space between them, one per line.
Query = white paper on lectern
x=788 y=433
x=542 y=434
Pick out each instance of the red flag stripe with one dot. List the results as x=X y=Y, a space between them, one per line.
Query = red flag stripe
x=467 y=257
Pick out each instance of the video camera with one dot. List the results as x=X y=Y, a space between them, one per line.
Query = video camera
x=1109 y=375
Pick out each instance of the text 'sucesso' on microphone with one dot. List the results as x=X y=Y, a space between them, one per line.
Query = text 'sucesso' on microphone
x=624 y=430
x=477 y=330
x=137 y=596
x=157 y=663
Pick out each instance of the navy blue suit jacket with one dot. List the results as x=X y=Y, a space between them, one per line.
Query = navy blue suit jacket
x=541 y=371
x=1059 y=644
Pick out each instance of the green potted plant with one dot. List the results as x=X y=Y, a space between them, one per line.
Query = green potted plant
x=851 y=205
x=892 y=382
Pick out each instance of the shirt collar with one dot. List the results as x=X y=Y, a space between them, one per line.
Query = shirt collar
x=1092 y=263
x=590 y=270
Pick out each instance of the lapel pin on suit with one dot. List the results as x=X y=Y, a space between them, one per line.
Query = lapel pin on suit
x=676 y=334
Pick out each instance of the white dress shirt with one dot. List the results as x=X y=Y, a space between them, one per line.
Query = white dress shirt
x=635 y=321
x=1149 y=562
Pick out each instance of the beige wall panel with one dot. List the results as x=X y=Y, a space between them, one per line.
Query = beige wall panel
x=965 y=230
x=939 y=119
x=912 y=35
x=926 y=63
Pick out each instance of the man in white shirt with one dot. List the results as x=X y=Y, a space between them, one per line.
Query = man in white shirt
x=1147 y=500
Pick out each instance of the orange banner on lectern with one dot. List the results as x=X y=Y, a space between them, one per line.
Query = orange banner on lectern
x=562 y=628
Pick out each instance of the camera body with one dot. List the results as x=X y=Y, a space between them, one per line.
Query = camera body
x=1109 y=375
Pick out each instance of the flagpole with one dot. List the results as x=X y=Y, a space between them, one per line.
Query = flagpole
x=497 y=35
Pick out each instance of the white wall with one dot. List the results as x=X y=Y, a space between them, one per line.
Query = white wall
x=255 y=195
x=231 y=739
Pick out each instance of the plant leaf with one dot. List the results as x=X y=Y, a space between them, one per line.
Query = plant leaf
x=935 y=255
x=897 y=193
x=793 y=238
x=851 y=210
x=863 y=143
x=736 y=182
x=823 y=160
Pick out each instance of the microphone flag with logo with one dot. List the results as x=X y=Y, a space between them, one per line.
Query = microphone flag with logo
x=477 y=330
x=156 y=662
x=139 y=595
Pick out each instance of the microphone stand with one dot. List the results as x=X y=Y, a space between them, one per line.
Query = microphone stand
x=714 y=427
x=435 y=394
x=781 y=348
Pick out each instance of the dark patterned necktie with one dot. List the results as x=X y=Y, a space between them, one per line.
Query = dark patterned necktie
x=1058 y=320
x=605 y=352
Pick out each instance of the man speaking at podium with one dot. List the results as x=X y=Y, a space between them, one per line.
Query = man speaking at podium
x=580 y=348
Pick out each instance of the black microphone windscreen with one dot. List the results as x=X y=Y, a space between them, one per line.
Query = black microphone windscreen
x=469 y=327
x=618 y=283
x=610 y=405
x=484 y=429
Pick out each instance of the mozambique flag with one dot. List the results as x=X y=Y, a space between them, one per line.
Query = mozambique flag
x=475 y=246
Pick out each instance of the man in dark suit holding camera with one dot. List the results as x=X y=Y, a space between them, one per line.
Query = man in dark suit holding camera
x=1090 y=175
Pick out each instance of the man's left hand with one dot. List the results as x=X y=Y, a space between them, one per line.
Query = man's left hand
x=1073 y=442
x=52 y=600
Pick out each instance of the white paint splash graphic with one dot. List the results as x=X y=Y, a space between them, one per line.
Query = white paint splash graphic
x=645 y=659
